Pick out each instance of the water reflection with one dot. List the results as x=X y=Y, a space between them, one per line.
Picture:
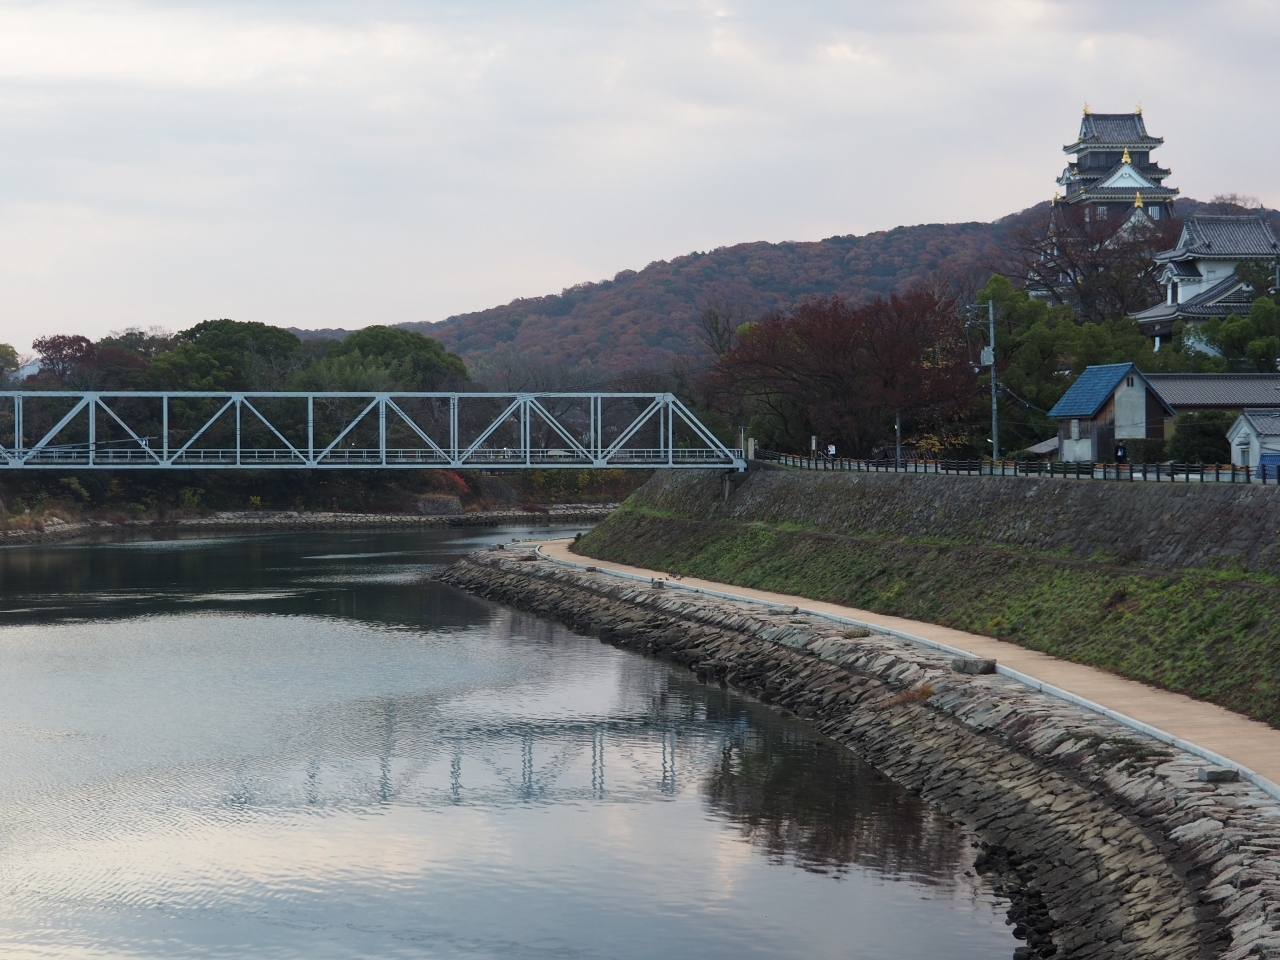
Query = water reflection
x=807 y=801
x=295 y=747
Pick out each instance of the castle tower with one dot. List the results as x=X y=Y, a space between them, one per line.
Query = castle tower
x=1112 y=172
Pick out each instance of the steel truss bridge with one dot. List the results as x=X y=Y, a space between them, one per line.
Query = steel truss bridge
x=194 y=430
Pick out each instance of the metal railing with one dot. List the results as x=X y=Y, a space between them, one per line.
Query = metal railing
x=1125 y=472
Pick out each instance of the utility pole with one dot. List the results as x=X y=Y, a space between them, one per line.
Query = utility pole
x=989 y=360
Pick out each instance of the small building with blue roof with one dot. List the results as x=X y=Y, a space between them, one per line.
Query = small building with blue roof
x=1108 y=403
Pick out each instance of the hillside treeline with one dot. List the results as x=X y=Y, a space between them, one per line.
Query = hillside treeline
x=229 y=355
x=907 y=366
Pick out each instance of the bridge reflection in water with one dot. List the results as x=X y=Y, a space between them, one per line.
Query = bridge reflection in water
x=150 y=430
x=481 y=708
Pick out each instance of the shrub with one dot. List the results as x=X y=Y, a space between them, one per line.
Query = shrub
x=1202 y=438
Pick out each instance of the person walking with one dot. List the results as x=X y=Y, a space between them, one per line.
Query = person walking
x=1122 y=455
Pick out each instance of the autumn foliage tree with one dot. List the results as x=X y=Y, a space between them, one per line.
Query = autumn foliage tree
x=1101 y=268
x=61 y=354
x=845 y=372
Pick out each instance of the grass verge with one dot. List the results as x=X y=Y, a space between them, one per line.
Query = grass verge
x=1212 y=635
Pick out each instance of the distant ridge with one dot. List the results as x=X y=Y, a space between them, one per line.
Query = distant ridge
x=648 y=319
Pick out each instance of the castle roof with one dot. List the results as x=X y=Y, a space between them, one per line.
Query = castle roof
x=1230 y=295
x=1120 y=182
x=1113 y=130
x=1225 y=237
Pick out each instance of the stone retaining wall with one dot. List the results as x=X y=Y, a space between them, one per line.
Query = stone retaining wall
x=1114 y=845
x=1157 y=524
x=55 y=529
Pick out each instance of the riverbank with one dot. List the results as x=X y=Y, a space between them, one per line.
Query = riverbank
x=1112 y=843
x=55 y=529
x=1175 y=586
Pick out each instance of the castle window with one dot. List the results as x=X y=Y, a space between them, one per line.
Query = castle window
x=1102 y=212
x=1155 y=213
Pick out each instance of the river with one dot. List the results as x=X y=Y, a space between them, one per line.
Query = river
x=300 y=746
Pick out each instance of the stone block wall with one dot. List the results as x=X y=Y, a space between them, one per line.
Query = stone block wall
x=1172 y=525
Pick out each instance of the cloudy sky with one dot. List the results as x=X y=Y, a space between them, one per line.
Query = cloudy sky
x=341 y=164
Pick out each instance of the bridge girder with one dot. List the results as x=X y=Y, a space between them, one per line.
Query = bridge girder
x=202 y=430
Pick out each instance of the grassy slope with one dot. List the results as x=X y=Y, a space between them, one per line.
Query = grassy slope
x=1209 y=634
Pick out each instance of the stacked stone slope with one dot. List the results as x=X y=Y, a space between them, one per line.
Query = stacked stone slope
x=1110 y=842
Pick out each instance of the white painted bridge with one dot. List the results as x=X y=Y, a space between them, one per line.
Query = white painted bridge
x=197 y=430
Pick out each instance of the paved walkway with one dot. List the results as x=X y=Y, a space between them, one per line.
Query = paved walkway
x=1246 y=743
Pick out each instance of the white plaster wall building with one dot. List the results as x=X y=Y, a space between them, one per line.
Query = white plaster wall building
x=1255 y=440
x=1198 y=275
x=1107 y=403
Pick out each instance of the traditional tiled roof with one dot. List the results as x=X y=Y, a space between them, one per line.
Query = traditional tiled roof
x=1231 y=295
x=1113 y=129
x=1094 y=387
x=1229 y=237
x=1217 y=389
x=1265 y=423
x=1110 y=193
x=1149 y=171
x=1184 y=268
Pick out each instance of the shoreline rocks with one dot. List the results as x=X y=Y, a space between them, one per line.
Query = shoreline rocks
x=1109 y=844
x=60 y=530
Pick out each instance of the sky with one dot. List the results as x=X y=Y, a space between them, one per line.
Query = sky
x=321 y=164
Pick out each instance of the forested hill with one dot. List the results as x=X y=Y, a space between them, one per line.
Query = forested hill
x=648 y=319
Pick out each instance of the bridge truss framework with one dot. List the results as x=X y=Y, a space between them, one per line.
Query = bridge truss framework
x=197 y=430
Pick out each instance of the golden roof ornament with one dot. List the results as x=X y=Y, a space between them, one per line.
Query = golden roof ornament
x=1138 y=108
x=1137 y=199
x=1125 y=158
x=1087 y=111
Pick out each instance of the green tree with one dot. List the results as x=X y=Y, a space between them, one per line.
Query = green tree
x=1041 y=349
x=247 y=355
x=352 y=372
x=413 y=361
x=1260 y=275
x=8 y=359
x=1202 y=438
x=1251 y=342
x=190 y=367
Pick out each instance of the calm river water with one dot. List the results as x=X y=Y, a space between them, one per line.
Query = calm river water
x=298 y=746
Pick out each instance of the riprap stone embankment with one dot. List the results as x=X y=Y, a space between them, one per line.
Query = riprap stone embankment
x=1115 y=846
x=266 y=521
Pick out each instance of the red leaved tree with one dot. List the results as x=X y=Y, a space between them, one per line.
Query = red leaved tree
x=845 y=372
x=62 y=353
